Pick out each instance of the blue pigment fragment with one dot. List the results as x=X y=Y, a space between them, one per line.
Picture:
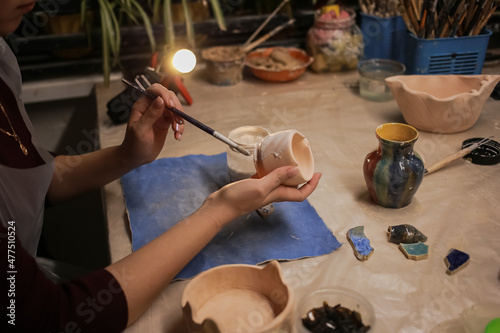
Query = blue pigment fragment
x=360 y=244
x=415 y=251
x=455 y=260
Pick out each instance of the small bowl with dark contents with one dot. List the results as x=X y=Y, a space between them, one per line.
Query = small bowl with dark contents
x=334 y=310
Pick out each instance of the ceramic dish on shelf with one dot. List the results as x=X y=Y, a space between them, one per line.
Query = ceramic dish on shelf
x=278 y=64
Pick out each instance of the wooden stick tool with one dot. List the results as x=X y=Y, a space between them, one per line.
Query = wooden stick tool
x=267 y=36
x=456 y=156
x=256 y=32
x=193 y=121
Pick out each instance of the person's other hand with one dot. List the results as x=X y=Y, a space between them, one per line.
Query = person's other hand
x=247 y=195
x=148 y=125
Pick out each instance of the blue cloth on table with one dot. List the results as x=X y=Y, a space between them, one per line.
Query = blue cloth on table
x=160 y=194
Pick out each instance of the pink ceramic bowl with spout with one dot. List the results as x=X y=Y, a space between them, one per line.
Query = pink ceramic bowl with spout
x=285 y=148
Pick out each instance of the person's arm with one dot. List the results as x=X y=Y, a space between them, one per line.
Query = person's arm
x=33 y=303
x=147 y=130
x=144 y=273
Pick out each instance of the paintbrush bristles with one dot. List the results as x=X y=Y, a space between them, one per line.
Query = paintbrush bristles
x=380 y=8
x=446 y=18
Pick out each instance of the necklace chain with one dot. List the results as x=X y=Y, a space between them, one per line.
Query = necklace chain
x=13 y=134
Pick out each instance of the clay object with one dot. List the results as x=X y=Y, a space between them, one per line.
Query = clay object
x=278 y=64
x=442 y=103
x=456 y=260
x=240 y=166
x=393 y=172
x=415 y=251
x=360 y=244
x=265 y=211
x=285 y=148
x=224 y=64
x=238 y=298
x=405 y=233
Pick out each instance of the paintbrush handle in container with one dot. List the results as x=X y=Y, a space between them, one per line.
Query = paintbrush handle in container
x=449 y=159
x=456 y=156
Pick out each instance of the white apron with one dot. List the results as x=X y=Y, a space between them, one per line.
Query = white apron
x=23 y=191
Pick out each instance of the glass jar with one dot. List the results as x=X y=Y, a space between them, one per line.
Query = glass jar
x=335 y=44
x=241 y=166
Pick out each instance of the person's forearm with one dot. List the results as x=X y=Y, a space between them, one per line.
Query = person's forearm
x=147 y=271
x=75 y=175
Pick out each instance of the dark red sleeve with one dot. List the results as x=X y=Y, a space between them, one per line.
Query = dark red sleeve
x=93 y=303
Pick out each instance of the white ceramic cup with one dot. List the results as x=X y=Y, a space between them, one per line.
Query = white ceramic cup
x=241 y=166
x=285 y=148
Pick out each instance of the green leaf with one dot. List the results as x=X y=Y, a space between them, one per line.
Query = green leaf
x=156 y=11
x=168 y=23
x=83 y=11
x=219 y=16
x=189 y=24
x=147 y=24
x=105 y=46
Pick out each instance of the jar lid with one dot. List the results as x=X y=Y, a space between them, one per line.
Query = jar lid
x=486 y=154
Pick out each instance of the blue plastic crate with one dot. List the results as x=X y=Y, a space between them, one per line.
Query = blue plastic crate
x=383 y=37
x=451 y=55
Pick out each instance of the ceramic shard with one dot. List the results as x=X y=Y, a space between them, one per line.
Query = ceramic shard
x=360 y=244
x=456 y=260
x=265 y=211
x=415 y=251
x=405 y=233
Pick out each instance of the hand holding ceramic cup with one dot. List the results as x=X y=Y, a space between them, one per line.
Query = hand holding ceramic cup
x=285 y=148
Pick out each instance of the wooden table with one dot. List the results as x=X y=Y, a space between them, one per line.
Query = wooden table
x=456 y=207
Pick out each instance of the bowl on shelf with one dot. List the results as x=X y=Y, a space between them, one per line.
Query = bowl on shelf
x=344 y=297
x=442 y=103
x=278 y=64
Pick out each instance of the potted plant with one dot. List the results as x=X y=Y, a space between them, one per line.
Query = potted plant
x=163 y=9
x=112 y=13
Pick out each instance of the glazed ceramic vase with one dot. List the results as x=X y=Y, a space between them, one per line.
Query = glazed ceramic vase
x=239 y=298
x=393 y=172
x=285 y=148
x=442 y=103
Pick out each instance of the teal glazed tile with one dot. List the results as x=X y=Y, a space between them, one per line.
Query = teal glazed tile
x=360 y=244
x=415 y=251
x=456 y=260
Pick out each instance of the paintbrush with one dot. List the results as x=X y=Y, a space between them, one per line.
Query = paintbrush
x=193 y=121
x=457 y=155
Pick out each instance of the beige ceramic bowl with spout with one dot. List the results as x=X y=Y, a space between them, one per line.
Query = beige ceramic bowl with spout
x=285 y=148
x=239 y=298
x=442 y=103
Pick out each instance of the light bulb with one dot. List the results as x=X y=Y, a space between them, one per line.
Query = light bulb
x=184 y=61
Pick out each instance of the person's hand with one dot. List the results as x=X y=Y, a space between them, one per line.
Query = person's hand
x=148 y=125
x=247 y=195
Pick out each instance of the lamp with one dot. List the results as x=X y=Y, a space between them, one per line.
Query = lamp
x=170 y=67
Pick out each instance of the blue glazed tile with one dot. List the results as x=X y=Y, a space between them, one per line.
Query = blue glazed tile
x=360 y=244
x=415 y=251
x=456 y=260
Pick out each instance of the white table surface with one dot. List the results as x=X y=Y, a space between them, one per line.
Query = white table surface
x=456 y=207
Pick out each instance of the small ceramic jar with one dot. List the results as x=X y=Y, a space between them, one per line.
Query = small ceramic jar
x=285 y=148
x=336 y=44
x=241 y=166
x=224 y=64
